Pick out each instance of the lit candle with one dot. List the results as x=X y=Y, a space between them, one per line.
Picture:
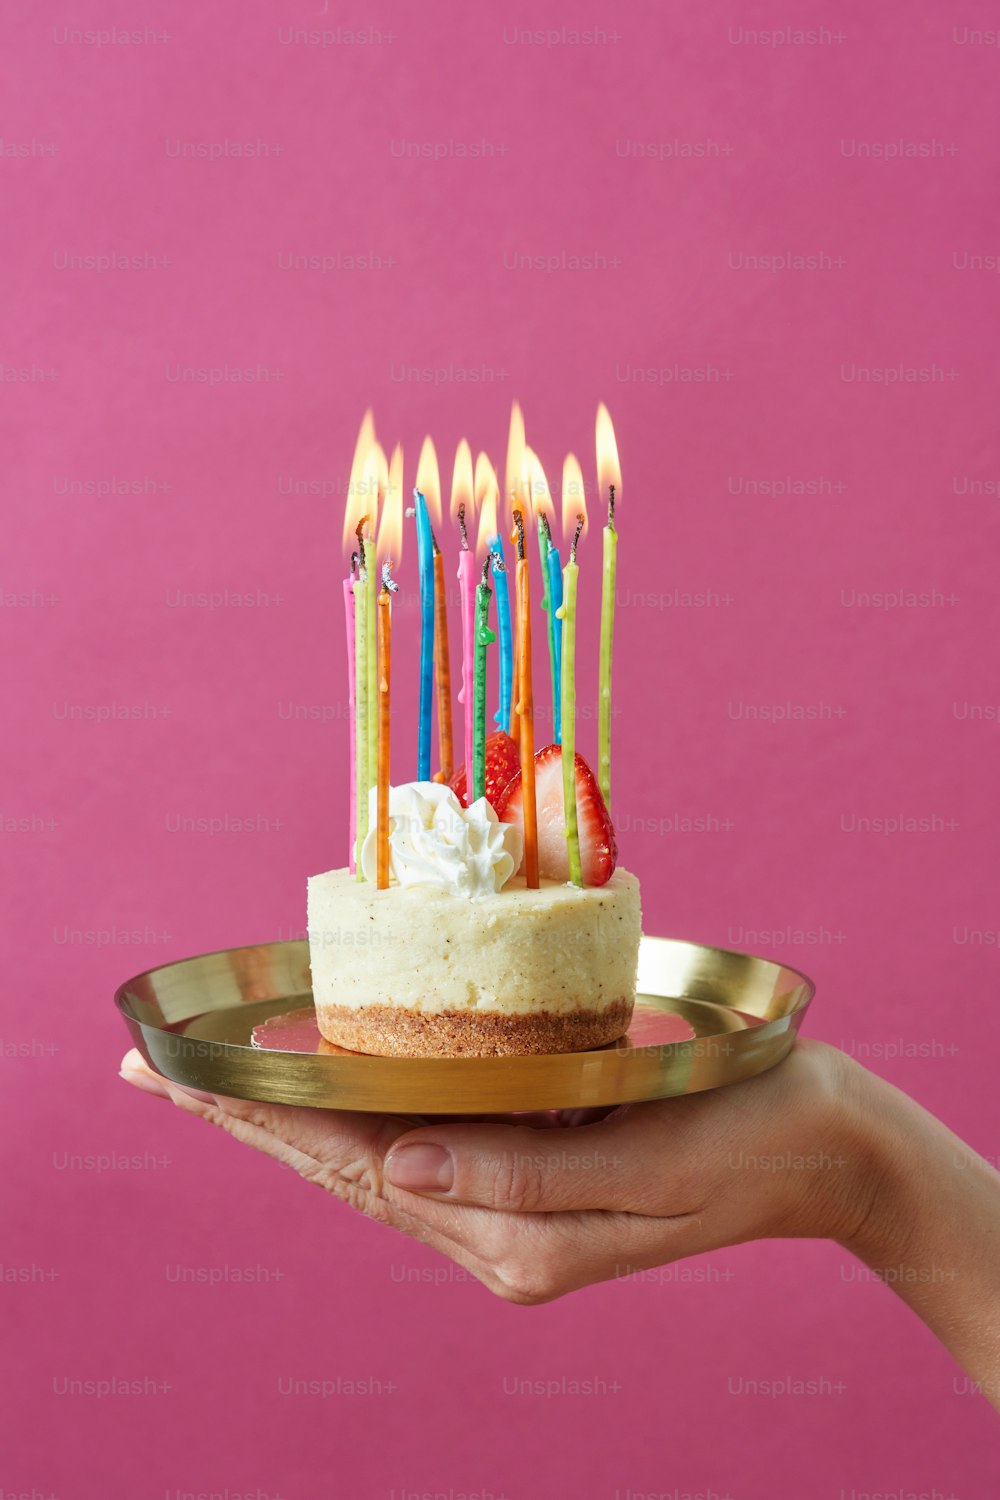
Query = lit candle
x=467 y=607
x=349 y=622
x=442 y=666
x=376 y=479
x=540 y=501
x=487 y=498
x=462 y=493
x=365 y=469
x=427 y=484
x=484 y=637
x=370 y=571
x=361 y=707
x=544 y=548
x=554 y=568
x=503 y=713
x=567 y=614
x=516 y=488
x=525 y=709
x=425 y=563
x=384 y=673
x=608 y=473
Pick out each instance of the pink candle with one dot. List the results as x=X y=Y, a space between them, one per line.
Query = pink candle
x=467 y=597
x=349 y=618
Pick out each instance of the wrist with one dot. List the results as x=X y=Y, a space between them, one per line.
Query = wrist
x=850 y=1195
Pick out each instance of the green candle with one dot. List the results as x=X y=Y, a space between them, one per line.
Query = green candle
x=567 y=614
x=361 y=716
x=607 y=634
x=484 y=637
x=544 y=548
x=372 y=607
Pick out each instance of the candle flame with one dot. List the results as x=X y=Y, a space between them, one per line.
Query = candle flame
x=462 y=484
x=516 y=473
x=487 y=489
x=429 y=480
x=361 y=500
x=390 y=530
x=539 y=495
x=376 y=477
x=608 y=469
x=574 y=497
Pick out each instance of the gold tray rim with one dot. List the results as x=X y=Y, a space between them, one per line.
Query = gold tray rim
x=483 y=1085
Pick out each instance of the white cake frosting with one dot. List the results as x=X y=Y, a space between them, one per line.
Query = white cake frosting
x=435 y=841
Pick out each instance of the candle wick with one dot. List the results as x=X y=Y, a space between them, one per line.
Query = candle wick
x=545 y=528
x=611 y=507
x=486 y=567
x=359 y=533
x=354 y=562
x=461 y=523
x=519 y=523
x=388 y=582
x=576 y=536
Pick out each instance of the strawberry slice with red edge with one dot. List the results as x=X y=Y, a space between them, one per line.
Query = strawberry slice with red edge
x=598 y=845
x=503 y=763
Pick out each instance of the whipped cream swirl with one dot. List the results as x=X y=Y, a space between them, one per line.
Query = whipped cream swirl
x=434 y=840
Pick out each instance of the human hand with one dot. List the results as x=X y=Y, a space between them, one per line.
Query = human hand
x=544 y=1204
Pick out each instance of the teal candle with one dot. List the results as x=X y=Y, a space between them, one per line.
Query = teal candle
x=502 y=716
x=554 y=569
x=484 y=637
x=544 y=552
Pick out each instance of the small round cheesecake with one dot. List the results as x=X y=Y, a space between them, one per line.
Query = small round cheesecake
x=417 y=970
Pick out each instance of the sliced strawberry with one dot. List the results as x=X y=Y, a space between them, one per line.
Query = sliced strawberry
x=598 y=846
x=503 y=762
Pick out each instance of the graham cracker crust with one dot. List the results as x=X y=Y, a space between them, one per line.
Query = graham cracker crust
x=387 y=1031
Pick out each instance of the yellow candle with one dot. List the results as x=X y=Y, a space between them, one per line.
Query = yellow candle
x=525 y=709
x=608 y=476
x=567 y=614
x=384 y=664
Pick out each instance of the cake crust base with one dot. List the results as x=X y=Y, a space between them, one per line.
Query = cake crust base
x=391 y=1031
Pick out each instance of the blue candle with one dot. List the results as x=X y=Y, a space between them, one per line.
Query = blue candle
x=555 y=605
x=425 y=559
x=502 y=716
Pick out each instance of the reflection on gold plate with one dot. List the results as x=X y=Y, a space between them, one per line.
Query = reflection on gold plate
x=194 y=1021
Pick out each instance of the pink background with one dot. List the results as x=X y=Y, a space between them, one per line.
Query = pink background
x=898 y=487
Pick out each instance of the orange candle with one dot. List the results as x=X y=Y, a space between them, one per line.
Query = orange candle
x=384 y=660
x=525 y=709
x=515 y=719
x=442 y=666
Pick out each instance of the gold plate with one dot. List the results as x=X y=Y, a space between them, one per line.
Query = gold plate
x=193 y=1022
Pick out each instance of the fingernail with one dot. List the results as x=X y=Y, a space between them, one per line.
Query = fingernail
x=147 y=1082
x=421 y=1168
x=163 y=1088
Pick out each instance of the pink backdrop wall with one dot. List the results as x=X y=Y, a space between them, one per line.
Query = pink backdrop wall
x=786 y=479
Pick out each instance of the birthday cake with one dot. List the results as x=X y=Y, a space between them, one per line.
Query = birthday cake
x=458 y=956
x=486 y=915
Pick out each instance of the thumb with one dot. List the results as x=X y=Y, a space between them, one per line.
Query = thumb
x=521 y=1170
